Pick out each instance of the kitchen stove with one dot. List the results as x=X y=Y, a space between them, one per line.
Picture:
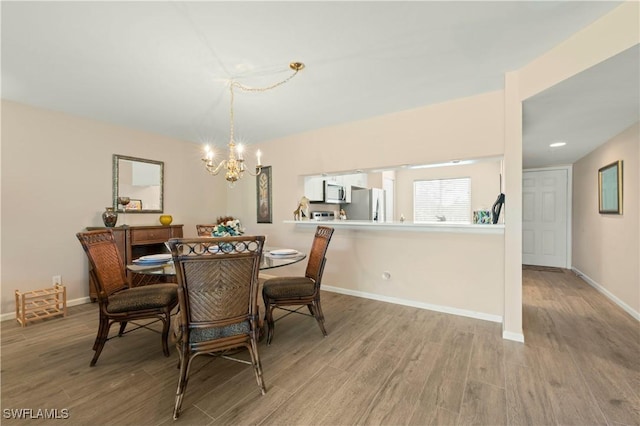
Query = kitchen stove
x=323 y=215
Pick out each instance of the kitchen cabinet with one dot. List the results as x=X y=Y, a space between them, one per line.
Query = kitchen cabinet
x=347 y=195
x=357 y=179
x=314 y=188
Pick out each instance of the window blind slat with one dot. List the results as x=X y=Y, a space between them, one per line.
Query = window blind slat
x=441 y=200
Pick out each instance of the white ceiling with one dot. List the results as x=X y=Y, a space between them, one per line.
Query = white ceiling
x=583 y=111
x=164 y=66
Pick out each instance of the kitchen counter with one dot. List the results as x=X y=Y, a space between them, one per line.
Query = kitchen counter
x=404 y=226
x=445 y=267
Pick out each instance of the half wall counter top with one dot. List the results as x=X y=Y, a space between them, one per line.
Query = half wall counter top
x=366 y=225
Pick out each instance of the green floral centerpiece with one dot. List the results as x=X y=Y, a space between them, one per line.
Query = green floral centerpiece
x=227 y=227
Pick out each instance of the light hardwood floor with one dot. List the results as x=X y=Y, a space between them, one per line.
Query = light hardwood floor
x=381 y=364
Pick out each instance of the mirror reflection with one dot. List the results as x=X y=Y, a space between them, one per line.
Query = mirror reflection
x=137 y=185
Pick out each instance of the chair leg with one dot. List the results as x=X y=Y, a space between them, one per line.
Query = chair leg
x=123 y=325
x=185 y=360
x=101 y=339
x=166 y=321
x=257 y=366
x=319 y=315
x=103 y=322
x=311 y=309
x=268 y=319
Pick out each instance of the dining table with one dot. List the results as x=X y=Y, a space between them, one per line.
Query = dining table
x=164 y=270
x=272 y=257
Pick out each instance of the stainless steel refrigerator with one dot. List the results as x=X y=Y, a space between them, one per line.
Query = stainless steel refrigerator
x=366 y=204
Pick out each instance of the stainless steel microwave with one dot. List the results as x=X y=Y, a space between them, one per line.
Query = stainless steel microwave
x=334 y=193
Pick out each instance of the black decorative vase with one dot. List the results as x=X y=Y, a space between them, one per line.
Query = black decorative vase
x=109 y=217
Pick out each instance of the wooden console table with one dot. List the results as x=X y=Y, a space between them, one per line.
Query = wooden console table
x=136 y=241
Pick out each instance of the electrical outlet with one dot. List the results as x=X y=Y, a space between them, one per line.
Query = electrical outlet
x=56 y=279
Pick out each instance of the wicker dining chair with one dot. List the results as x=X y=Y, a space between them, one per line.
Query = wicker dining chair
x=217 y=293
x=117 y=301
x=205 y=230
x=292 y=291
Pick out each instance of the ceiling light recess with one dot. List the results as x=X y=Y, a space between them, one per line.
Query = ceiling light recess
x=557 y=144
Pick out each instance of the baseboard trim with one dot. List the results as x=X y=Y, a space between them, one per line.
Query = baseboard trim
x=414 y=304
x=516 y=337
x=74 y=302
x=628 y=309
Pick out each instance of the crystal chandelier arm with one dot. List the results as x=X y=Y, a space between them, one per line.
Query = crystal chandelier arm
x=212 y=168
x=258 y=171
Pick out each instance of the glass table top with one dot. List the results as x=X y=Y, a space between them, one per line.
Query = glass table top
x=268 y=261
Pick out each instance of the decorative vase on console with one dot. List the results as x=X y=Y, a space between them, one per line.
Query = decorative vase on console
x=166 y=219
x=109 y=217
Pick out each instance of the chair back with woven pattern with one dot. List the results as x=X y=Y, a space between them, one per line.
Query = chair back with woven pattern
x=205 y=230
x=218 y=298
x=278 y=292
x=315 y=264
x=107 y=267
x=217 y=279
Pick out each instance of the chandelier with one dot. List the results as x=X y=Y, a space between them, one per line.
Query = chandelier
x=234 y=166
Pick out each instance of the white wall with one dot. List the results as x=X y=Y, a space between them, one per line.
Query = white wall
x=461 y=271
x=608 y=36
x=606 y=247
x=56 y=177
x=56 y=180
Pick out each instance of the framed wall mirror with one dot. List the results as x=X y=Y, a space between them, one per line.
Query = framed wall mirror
x=610 y=188
x=138 y=185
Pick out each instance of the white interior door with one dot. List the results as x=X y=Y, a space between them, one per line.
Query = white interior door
x=544 y=218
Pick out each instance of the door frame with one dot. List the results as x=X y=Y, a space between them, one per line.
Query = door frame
x=569 y=169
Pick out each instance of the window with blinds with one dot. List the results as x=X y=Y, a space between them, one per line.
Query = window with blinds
x=442 y=200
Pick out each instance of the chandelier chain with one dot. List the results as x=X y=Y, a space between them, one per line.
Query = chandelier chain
x=231 y=114
x=235 y=83
x=240 y=86
x=235 y=165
